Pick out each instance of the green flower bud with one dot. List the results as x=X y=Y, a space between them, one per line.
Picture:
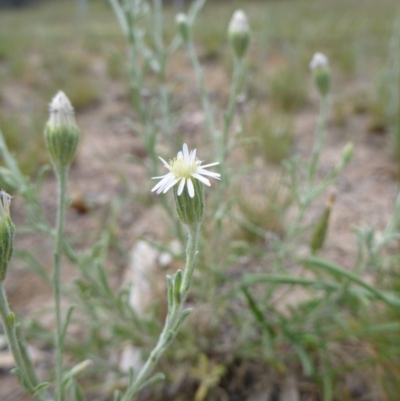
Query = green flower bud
x=347 y=153
x=239 y=33
x=8 y=180
x=319 y=66
x=7 y=232
x=190 y=209
x=11 y=318
x=183 y=26
x=321 y=227
x=61 y=133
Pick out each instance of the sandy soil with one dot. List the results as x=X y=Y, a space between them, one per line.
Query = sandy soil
x=366 y=190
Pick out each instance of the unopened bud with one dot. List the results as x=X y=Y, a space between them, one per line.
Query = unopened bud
x=8 y=180
x=76 y=370
x=7 y=232
x=321 y=227
x=347 y=153
x=190 y=210
x=319 y=60
x=319 y=66
x=239 y=33
x=183 y=26
x=61 y=133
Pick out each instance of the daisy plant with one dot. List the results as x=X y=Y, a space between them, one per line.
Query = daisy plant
x=188 y=171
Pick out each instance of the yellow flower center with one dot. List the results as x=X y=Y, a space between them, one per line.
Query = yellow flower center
x=182 y=167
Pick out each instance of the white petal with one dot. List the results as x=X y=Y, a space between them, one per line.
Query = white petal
x=181 y=186
x=170 y=185
x=185 y=151
x=209 y=165
x=180 y=155
x=165 y=163
x=209 y=173
x=201 y=178
x=161 y=176
x=192 y=155
x=190 y=187
x=166 y=181
x=162 y=182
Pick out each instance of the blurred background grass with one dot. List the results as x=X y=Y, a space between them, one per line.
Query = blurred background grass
x=48 y=45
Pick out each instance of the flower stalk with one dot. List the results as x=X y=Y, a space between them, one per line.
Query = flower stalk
x=61 y=135
x=58 y=245
x=320 y=135
x=8 y=319
x=178 y=289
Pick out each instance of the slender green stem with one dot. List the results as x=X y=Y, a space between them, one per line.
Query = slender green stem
x=309 y=194
x=175 y=315
x=230 y=112
x=158 y=26
x=30 y=370
x=58 y=245
x=319 y=140
x=8 y=320
x=205 y=102
x=191 y=251
x=238 y=69
x=165 y=105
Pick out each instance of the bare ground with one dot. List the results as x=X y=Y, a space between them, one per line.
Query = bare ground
x=366 y=190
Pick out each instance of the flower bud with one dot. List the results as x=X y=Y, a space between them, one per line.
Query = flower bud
x=8 y=180
x=183 y=26
x=347 y=153
x=321 y=227
x=61 y=133
x=319 y=66
x=190 y=210
x=7 y=232
x=239 y=33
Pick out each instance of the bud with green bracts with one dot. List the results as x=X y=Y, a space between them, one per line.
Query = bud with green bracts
x=319 y=66
x=190 y=210
x=183 y=26
x=239 y=33
x=322 y=79
x=61 y=133
x=7 y=232
x=321 y=227
x=347 y=153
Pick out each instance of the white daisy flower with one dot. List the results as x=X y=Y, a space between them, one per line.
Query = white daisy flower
x=183 y=169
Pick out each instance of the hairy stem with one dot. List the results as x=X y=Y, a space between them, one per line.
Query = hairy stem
x=205 y=102
x=191 y=251
x=319 y=140
x=58 y=245
x=25 y=374
x=175 y=314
